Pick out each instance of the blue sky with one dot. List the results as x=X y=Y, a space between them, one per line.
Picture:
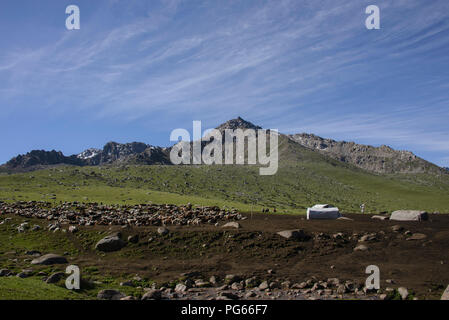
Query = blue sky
x=138 y=69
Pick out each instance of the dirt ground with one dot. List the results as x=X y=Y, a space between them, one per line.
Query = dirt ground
x=419 y=265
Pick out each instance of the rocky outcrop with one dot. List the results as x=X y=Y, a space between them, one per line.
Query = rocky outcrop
x=381 y=159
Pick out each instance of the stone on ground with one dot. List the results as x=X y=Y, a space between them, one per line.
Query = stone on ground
x=109 y=294
x=49 y=259
x=110 y=243
x=417 y=236
x=403 y=292
x=55 y=277
x=232 y=224
x=293 y=234
x=445 y=295
x=162 y=231
x=152 y=294
x=409 y=215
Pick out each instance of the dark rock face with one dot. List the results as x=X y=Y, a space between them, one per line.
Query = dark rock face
x=41 y=157
x=112 y=153
x=381 y=159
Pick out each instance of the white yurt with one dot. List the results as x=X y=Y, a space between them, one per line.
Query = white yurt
x=323 y=211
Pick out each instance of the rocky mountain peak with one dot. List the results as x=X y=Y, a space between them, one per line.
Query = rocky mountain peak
x=237 y=123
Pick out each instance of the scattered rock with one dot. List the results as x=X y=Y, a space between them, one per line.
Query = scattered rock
x=397 y=228
x=229 y=295
x=367 y=237
x=345 y=219
x=25 y=273
x=128 y=283
x=361 y=247
x=4 y=272
x=88 y=214
x=341 y=289
x=293 y=234
x=403 y=292
x=49 y=259
x=180 y=287
x=133 y=238
x=73 y=229
x=263 y=285
x=110 y=294
x=162 y=231
x=417 y=236
x=237 y=286
x=380 y=217
x=252 y=282
x=213 y=280
x=32 y=253
x=231 y=278
x=232 y=224
x=110 y=243
x=152 y=294
x=445 y=295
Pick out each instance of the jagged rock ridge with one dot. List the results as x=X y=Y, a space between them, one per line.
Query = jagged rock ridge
x=381 y=159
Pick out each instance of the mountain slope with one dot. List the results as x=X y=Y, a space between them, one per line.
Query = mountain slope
x=305 y=177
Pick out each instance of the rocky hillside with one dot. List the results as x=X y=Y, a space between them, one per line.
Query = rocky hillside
x=112 y=153
x=381 y=159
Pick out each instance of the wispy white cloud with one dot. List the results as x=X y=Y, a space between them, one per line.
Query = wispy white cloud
x=277 y=62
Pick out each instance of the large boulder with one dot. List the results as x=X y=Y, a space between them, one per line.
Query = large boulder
x=110 y=243
x=49 y=259
x=409 y=215
x=293 y=234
